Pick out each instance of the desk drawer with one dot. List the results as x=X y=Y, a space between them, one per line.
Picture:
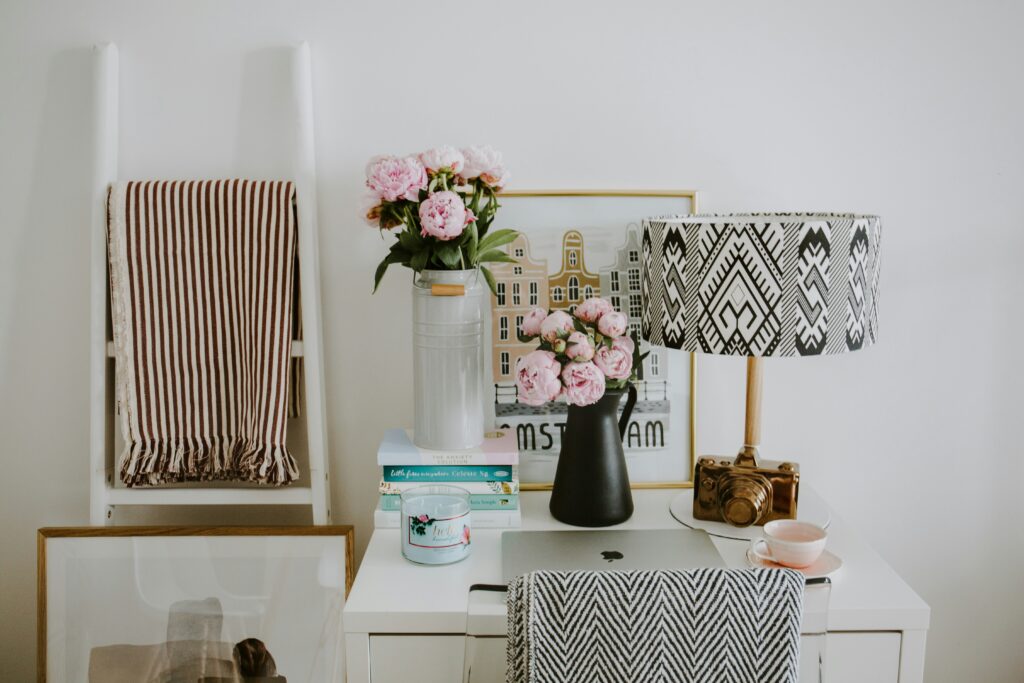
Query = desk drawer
x=419 y=658
x=858 y=656
x=850 y=657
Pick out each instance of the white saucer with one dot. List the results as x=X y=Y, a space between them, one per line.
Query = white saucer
x=826 y=565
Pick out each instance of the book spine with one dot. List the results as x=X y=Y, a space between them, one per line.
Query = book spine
x=483 y=519
x=398 y=448
x=489 y=487
x=482 y=501
x=435 y=459
x=448 y=473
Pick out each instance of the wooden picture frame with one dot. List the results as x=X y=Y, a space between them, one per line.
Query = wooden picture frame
x=607 y=212
x=143 y=537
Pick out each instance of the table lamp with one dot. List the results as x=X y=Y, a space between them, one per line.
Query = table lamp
x=758 y=285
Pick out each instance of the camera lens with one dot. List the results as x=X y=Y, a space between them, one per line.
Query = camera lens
x=744 y=498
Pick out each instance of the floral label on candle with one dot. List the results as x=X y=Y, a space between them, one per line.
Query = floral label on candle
x=426 y=532
x=435 y=524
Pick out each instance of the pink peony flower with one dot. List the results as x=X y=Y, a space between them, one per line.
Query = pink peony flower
x=612 y=324
x=625 y=343
x=444 y=215
x=531 y=323
x=584 y=383
x=591 y=310
x=394 y=178
x=537 y=378
x=443 y=157
x=369 y=207
x=557 y=325
x=497 y=179
x=616 y=362
x=579 y=349
x=423 y=518
x=485 y=163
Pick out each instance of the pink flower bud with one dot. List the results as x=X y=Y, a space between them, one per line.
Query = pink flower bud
x=579 y=348
x=612 y=324
x=558 y=325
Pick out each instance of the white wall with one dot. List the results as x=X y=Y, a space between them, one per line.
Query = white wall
x=909 y=110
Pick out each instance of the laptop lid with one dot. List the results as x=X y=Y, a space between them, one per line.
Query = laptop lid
x=526 y=551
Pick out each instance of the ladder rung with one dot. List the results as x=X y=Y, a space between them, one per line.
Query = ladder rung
x=288 y=495
x=297 y=349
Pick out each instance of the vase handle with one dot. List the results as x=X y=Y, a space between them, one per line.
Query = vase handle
x=627 y=412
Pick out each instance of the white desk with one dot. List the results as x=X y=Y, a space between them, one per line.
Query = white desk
x=406 y=622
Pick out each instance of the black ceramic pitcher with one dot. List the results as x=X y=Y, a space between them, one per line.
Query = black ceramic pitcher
x=591 y=483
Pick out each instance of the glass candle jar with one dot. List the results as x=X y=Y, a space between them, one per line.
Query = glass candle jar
x=435 y=524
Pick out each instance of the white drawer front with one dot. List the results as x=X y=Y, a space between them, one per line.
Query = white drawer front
x=415 y=658
x=849 y=657
x=856 y=657
x=485 y=660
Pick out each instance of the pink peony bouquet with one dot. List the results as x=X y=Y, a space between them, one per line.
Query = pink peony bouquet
x=579 y=355
x=443 y=201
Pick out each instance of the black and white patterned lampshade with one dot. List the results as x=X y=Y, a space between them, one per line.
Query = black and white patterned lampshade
x=761 y=284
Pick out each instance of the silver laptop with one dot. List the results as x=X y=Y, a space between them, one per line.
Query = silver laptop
x=525 y=551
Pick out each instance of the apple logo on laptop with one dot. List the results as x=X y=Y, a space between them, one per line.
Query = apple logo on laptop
x=611 y=555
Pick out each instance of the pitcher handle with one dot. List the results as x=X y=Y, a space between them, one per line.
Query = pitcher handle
x=627 y=412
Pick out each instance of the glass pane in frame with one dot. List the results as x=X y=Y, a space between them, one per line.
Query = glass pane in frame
x=587 y=242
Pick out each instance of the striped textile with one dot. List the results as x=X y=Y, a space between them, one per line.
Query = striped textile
x=202 y=281
x=713 y=625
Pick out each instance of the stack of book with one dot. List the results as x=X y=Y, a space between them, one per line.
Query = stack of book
x=490 y=473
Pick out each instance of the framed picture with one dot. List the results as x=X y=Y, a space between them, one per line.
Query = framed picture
x=197 y=604
x=576 y=244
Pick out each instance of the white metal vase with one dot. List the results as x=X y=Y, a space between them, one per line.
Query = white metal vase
x=448 y=359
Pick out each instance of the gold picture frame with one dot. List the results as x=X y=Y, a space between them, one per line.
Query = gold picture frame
x=52 y=533
x=692 y=197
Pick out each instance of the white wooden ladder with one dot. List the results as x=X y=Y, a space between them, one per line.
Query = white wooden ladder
x=104 y=495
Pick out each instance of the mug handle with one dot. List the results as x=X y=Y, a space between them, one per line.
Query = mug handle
x=627 y=412
x=766 y=555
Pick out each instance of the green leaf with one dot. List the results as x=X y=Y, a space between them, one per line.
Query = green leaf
x=410 y=240
x=393 y=257
x=498 y=238
x=578 y=324
x=382 y=268
x=495 y=256
x=490 y=280
x=397 y=248
x=450 y=255
x=525 y=338
x=472 y=244
x=419 y=260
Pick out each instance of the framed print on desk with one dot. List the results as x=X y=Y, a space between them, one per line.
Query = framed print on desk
x=576 y=244
x=202 y=604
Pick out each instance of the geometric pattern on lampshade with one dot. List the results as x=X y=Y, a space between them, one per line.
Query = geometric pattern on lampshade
x=761 y=284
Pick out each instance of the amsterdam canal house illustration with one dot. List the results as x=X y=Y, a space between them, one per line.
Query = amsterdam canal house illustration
x=521 y=287
x=620 y=284
x=573 y=284
x=526 y=285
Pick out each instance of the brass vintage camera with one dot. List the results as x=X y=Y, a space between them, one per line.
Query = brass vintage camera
x=745 y=491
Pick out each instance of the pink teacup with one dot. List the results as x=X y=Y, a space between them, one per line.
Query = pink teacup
x=790 y=543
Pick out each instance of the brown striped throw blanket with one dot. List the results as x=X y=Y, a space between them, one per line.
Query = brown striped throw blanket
x=202 y=278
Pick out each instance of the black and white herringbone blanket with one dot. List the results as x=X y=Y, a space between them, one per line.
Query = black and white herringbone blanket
x=708 y=625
